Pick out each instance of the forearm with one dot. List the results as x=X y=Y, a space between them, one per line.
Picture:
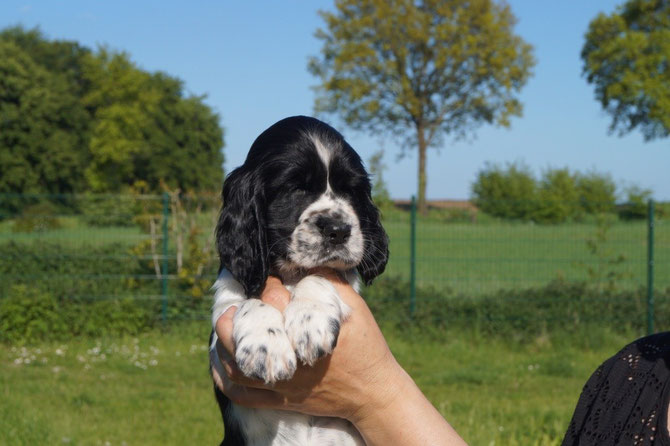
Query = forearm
x=404 y=417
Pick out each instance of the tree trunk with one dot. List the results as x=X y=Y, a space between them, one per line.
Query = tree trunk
x=421 y=139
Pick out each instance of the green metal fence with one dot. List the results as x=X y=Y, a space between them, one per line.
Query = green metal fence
x=160 y=249
x=465 y=255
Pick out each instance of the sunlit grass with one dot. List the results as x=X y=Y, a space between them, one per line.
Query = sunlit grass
x=155 y=389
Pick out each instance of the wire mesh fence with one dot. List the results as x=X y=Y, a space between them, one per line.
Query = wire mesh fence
x=158 y=250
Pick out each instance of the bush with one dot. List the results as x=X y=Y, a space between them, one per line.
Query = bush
x=557 y=197
x=557 y=308
x=506 y=193
x=29 y=315
x=597 y=192
x=67 y=271
x=636 y=205
x=51 y=292
x=37 y=218
x=110 y=210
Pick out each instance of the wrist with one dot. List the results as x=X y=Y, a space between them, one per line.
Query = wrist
x=382 y=396
x=401 y=415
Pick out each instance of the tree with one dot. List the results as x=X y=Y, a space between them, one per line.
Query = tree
x=380 y=193
x=506 y=193
x=636 y=203
x=39 y=128
x=145 y=129
x=558 y=197
x=74 y=120
x=627 y=57
x=421 y=69
x=597 y=192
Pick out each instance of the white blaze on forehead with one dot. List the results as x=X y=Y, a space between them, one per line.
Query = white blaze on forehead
x=324 y=154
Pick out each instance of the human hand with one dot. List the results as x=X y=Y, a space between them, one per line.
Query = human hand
x=361 y=381
x=342 y=384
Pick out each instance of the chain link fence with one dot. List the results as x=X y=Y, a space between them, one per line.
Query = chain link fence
x=158 y=250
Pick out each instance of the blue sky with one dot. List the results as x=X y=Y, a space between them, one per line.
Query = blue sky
x=250 y=59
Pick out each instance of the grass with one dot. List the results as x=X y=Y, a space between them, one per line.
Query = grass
x=155 y=389
x=468 y=258
x=481 y=258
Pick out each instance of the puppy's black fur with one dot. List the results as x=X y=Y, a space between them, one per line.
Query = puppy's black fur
x=263 y=199
x=281 y=176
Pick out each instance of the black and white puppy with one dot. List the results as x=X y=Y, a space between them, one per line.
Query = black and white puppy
x=300 y=200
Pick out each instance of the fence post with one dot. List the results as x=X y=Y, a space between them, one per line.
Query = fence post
x=650 y=267
x=164 y=272
x=412 y=257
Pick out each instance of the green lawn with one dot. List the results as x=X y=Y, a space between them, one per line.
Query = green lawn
x=465 y=257
x=155 y=389
x=478 y=258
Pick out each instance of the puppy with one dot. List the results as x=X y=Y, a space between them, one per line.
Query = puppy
x=302 y=199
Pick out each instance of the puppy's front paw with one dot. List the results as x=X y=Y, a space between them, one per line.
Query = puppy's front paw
x=262 y=348
x=313 y=318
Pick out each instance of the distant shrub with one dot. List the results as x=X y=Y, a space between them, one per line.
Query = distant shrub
x=38 y=217
x=662 y=210
x=597 y=192
x=109 y=210
x=558 y=198
x=49 y=291
x=635 y=207
x=380 y=193
x=509 y=192
x=29 y=315
x=558 y=307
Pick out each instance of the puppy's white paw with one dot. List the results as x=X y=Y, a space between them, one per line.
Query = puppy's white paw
x=262 y=348
x=313 y=318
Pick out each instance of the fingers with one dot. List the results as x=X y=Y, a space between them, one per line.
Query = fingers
x=224 y=330
x=255 y=398
x=247 y=396
x=275 y=294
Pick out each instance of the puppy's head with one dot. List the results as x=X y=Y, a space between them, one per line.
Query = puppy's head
x=300 y=200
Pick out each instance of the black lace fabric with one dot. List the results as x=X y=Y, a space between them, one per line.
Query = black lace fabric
x=625 y=402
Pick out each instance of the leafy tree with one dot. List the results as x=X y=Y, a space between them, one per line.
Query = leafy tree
x=421 y=69
x=144 y=129
x=597 y=192
x=74 y=120
x=39 y=129
x=380 y=193
x=60 y=57
x=509 y=192
x=558 y=198
x=627 y=57
x=636 y=204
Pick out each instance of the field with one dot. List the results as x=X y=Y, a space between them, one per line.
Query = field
x=505 y=387
x=155 y=389
x=478 y=258
x=467 y=258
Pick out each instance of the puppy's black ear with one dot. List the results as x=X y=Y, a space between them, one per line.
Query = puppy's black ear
x=376 y=245
x=240 y=233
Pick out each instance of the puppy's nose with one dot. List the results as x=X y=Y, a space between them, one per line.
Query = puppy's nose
x=334 y=231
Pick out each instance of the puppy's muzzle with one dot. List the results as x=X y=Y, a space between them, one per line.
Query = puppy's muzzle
x=334 y=231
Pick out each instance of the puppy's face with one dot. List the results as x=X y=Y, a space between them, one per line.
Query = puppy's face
x=301 y=200
x=311 y=216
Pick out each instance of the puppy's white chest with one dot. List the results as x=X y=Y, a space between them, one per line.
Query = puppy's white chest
x=283 y=428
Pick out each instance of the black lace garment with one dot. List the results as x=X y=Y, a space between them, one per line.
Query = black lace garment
x=625 y=402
